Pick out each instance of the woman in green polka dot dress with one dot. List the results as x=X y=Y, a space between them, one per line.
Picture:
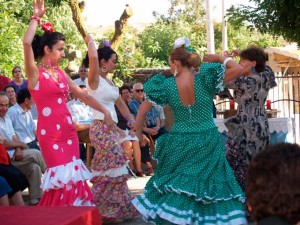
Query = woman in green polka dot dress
x=193 y=183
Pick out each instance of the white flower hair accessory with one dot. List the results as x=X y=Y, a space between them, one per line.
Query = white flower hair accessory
x=182 y=42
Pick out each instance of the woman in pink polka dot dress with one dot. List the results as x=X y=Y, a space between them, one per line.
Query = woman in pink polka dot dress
x=64 y=182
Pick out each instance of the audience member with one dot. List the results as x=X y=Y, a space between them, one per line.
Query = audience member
x=29 y=161
x=82 y=73
x=18 y=81
x=21 y=118
x=130 y=144
x=13 y=180
x=125 y=92
x=273 y=181
x=11 y=94
x=4 y=81
x=82 y=117
x=152 y=124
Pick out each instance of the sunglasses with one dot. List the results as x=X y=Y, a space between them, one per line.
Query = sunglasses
x=139 y=90
x=85 y=70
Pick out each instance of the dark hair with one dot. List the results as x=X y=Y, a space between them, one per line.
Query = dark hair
x=47 y=39
x=82 y=86
x=103 y=53
x=10 y=86
x=273 y=183
x=16 y=67
x=124 y=87
x=188 y=59
x=254 y=53
x=22 y=95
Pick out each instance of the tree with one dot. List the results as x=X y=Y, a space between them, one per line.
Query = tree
x=277 y=17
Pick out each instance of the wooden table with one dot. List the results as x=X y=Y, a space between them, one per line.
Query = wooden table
x=41 y=215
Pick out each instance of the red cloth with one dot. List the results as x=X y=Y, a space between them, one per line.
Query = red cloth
x=37 y=215
x=4 y=82
x=4 y=157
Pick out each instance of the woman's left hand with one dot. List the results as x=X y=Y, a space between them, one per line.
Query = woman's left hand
x=38 y=8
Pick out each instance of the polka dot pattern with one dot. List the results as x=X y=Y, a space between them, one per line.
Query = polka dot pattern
x=46 y=111
x=192 y=173
x=65 y=184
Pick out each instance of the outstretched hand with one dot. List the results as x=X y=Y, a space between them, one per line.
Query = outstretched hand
x=39 y=8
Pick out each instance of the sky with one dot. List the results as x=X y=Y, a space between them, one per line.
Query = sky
x=100 y=12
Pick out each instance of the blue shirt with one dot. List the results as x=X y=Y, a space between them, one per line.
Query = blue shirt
x=150 y=116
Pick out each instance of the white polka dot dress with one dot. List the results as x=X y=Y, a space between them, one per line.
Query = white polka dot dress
x=193 y=183
x=59 y=145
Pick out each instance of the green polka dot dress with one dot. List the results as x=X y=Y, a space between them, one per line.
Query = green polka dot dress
x=193 y=183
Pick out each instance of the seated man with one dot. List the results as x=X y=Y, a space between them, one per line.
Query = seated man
x=152 y=128
x=82 y=117
x=11 y=94
x=82 y=73
x=21 y=118
x=29 y=161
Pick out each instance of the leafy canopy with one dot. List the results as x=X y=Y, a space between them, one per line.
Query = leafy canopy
x=277 y=17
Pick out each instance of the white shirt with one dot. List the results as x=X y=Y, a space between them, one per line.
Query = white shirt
x=7 y=131
x=81 y=113
x=160 y=110
x=23 y=123
x=79 y=81
x=106 y=94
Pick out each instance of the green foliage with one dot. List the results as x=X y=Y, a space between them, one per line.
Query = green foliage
x=277 y=17
x=241 y=37
x=14 y=18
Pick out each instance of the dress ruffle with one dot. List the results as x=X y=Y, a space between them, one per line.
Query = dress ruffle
x=65 y=185
x=196 y=191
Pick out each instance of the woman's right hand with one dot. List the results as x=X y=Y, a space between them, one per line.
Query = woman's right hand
x=108 y=119
x=38 y=8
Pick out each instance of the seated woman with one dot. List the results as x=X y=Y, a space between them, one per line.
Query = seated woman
x=12 y=181
x=7 y=195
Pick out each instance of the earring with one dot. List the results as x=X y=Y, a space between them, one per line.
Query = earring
x=252 y=70
x=175 y=72
x=104 y=69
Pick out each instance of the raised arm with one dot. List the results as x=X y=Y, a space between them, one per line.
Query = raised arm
x=30 y=67
x=233 y=69
x=93 y=74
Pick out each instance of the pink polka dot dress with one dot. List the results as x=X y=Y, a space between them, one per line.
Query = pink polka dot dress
x=64 y=182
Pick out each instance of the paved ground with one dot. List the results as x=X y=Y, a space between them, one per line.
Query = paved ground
x=136 y=185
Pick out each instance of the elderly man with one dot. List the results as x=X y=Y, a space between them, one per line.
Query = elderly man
x=152 y=127
x=29 y=161
x=21 y=118
x=82 y=73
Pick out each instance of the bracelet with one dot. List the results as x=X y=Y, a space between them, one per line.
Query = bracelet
x=129 y=114
x=36 y=18
x=88 y=45
x=131 y=121
x=226 y=61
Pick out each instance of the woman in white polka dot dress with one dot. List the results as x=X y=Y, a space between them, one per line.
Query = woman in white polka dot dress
x=64 y=182
x=193 y=183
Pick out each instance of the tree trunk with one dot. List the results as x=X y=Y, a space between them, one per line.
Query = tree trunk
x=77 y=17
x=120 y=25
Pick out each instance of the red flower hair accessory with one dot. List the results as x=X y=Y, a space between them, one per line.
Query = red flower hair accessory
x=47 y=27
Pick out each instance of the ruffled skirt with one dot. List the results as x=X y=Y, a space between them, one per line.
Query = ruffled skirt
x=110 y=174
x=193 y=183
x=66 y=185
